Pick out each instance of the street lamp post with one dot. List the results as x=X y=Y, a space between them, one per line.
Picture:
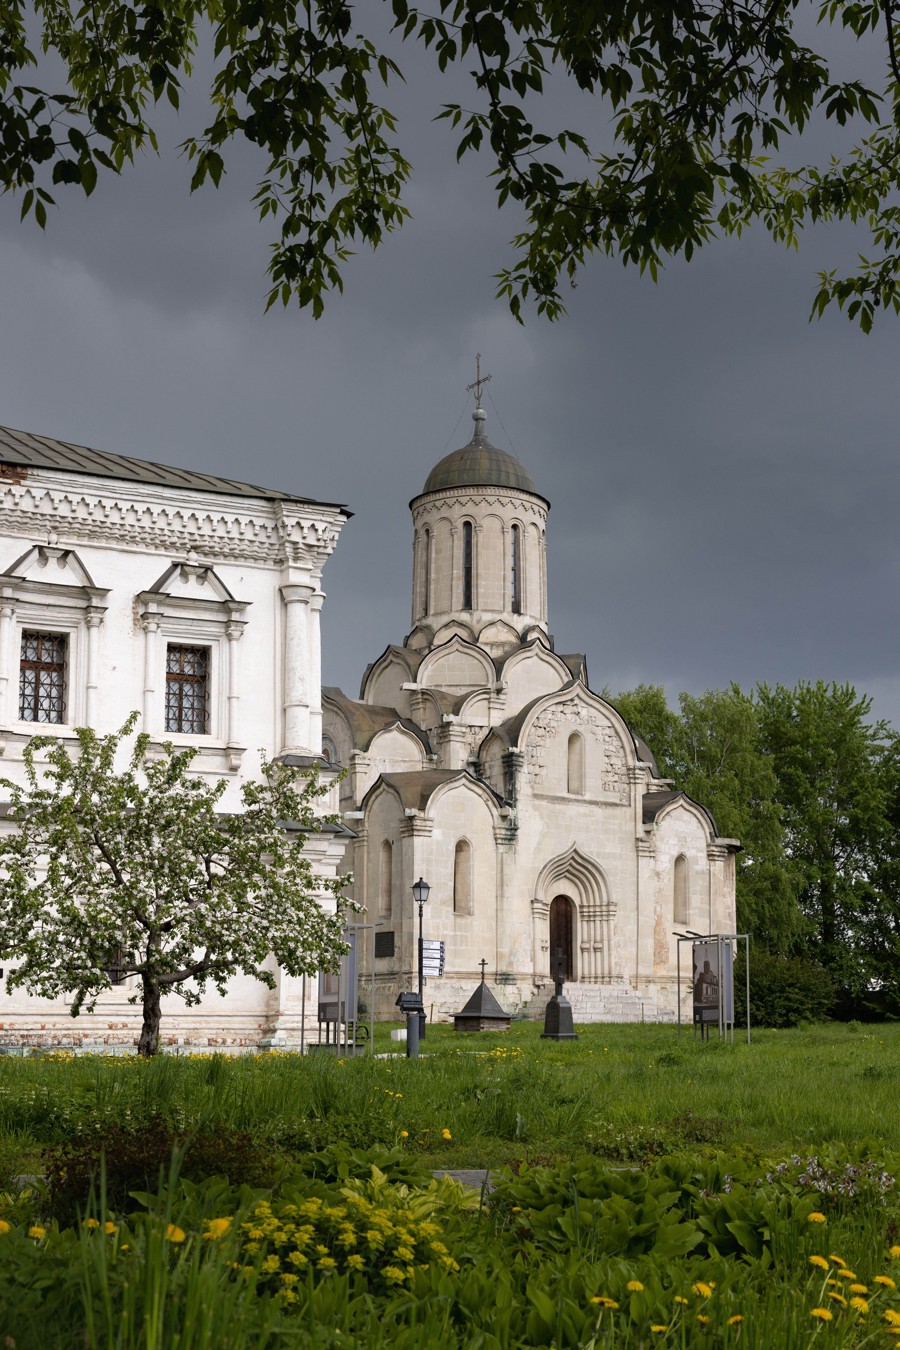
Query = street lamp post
x=420 y=892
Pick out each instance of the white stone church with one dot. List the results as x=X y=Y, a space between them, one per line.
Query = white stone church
x=479 y=759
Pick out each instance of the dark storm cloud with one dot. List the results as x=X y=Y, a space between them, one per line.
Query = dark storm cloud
x=722 y=474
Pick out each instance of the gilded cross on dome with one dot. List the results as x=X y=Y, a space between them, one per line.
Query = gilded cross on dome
x=478 y=381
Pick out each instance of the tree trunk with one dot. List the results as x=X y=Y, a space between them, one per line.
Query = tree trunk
x=149 y=1042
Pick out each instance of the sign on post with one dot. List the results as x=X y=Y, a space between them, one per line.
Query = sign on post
x=712 y=980
x=432 y=958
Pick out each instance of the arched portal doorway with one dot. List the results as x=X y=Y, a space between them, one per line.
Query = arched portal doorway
x=562 y=936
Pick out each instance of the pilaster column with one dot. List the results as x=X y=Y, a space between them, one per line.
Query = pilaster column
x=315 y=670
x=93 y=620
x=150 y=625
x=540 y=924
x=296 y=666
x=7 y=656
x=233 y=631
x=456 y=582
x=478 y=581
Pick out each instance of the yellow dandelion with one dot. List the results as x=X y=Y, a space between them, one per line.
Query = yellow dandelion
x=679 y=1299
x=819 y=1261
x=37 y=1231
x=702 y=1290
x=838 y=1298
x=891 y=1316
x=445 y=1134
x=735 y=1320
x=109 y=1228
x=859 y=1304
x=217 y=1228
x=816 y=1217
x=658 y=1326
x=823 y=1314
x=174 y=1233
x=847 y=1274
x=604 y=1302
x=91 y=1223
x=5 y=1227
x=895 y=1252
x=404 y=1134
x=859 y=1289
x=885 y=1280
x=634 y=1287
x=702 y=1319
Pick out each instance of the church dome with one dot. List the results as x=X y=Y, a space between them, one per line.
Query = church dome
x=479 y=464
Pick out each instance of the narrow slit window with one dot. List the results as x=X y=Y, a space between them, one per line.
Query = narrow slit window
x=187 y=690
x=575 y=766
x=387 y=878
x=426 y=573
x=42 y=677
x=462 y=878
x=467 y=566
x=515 y=569
x=682 y=899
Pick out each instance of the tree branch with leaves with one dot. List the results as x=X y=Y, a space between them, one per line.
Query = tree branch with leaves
x=689 y=105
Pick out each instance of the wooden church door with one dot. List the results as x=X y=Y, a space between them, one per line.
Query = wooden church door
x=562 y=936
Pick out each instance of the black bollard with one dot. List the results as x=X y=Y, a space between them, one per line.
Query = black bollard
x=412 y=1035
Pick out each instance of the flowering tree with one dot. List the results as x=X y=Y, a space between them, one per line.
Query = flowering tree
x=111 y=874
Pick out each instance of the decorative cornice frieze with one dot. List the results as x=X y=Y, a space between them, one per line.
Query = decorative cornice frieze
x=212 y=525
x=468 y=497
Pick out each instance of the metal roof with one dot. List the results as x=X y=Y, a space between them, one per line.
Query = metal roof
x=479 y=464
x=25 y=450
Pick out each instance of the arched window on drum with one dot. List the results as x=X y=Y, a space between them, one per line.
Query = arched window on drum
x=467 y=565
x=515 y=569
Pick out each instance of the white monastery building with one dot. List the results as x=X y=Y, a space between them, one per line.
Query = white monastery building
x=129 y=585
x=478 y=758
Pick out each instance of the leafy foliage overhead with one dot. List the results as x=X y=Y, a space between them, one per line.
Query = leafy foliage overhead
x=695 y=99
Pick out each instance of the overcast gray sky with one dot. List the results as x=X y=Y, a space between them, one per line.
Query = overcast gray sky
x=723 y=475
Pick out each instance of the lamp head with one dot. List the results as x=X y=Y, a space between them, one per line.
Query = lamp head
x=420 y=891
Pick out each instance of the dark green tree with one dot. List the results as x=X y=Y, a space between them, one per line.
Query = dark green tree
x=694 y=102
x=829 y=759
x=711 y=749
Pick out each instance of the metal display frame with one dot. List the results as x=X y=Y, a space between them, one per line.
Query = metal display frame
x=726 y=1025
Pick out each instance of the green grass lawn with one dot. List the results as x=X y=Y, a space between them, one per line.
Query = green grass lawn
x=499 y=1095
x=650 y=1197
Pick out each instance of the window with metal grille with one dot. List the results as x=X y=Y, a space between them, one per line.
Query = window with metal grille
x=42 y=677
x=187 y=690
